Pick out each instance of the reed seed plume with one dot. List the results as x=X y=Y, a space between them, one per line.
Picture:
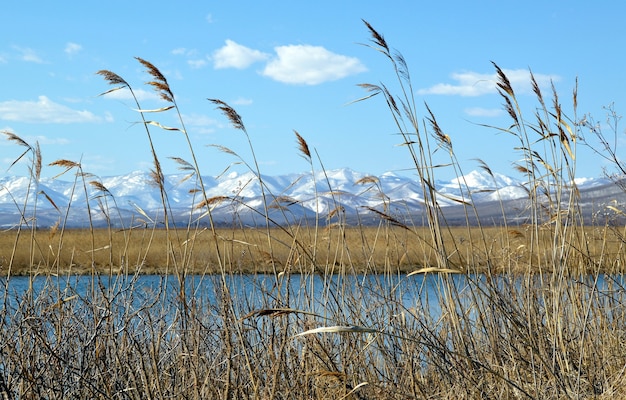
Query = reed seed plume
x=156 y=177
x=67 y=164
x=163 y=90
x=288 y=200
x=367 y=179
x=335 y=211
x=443 y=139
x=224 y=149
x=160 y=82
x=508 y=106
x=377 y=38
x=152 y=70
x=112 y=78
x=12 y=137
x=64 y=163
x=368 y=87
x=182 y=164
x=215 y=200
x=483 y=165
x=185 y=166
x=556 y=104
x=283 y=202
x=536 y=89
x=230 y=113
x=54 y=229
x=302 y=145
x=99 y=186
x=85 y=175
x=37 y=163
x=503 y=81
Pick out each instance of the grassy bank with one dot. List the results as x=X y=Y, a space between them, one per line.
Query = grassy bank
x=354 y=250
x=531 y=317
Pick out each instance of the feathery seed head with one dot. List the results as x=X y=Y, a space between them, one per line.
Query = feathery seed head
x=37 y=165
x=182 y=164
x=302 y=145
x=64 y=163
x=99 y=186
x=112 y=78
x=160 y=83
x=443 y=139
x=18 y=140
x=503 y=82
x=367 y=179
x=230 y=113
x=377 y=38
x=536 y=89
x=508 y=106
x=370 y=87
x=157 y=177
x=211 y=201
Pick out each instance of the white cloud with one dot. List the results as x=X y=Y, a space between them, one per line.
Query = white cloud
x=194 y=60
x=483 y=112
x=28 y=54
x=200 y=123
x=72 y=48
x=234 y=55
x=43 y=111
x=183 y=51
x=46 y=140
x=102 y=165
x=108 y=117
x=197 y=64
x=310 y=65
x=209 y=18
x=476 y=84
x=241 y=101
x=141 y=94
x=180 y=51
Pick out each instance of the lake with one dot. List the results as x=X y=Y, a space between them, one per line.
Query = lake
x=359 y=296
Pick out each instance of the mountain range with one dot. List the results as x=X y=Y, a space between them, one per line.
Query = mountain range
x=237 y=198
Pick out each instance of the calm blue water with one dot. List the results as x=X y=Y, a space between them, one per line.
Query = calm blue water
x=248 y=291
x=355 y=297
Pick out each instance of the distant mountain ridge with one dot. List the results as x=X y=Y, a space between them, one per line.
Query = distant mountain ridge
x=134 y=198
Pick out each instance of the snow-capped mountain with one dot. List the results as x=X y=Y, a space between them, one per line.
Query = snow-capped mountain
x=239 y=198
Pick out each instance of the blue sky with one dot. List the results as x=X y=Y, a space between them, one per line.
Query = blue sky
x=288 y=66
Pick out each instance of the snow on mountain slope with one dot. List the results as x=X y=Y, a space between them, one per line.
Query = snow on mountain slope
x=297 y=195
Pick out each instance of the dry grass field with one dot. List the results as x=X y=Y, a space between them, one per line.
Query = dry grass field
x=354 y=250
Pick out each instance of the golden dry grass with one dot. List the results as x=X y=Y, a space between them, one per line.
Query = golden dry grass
x=345 y=250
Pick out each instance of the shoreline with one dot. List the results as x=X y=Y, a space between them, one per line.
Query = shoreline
x=346 y=250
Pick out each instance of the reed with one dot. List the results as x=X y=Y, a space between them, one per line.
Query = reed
x=324 y=308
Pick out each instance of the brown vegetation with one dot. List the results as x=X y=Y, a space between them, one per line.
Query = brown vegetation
x=354 y=250
x=533 y=311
